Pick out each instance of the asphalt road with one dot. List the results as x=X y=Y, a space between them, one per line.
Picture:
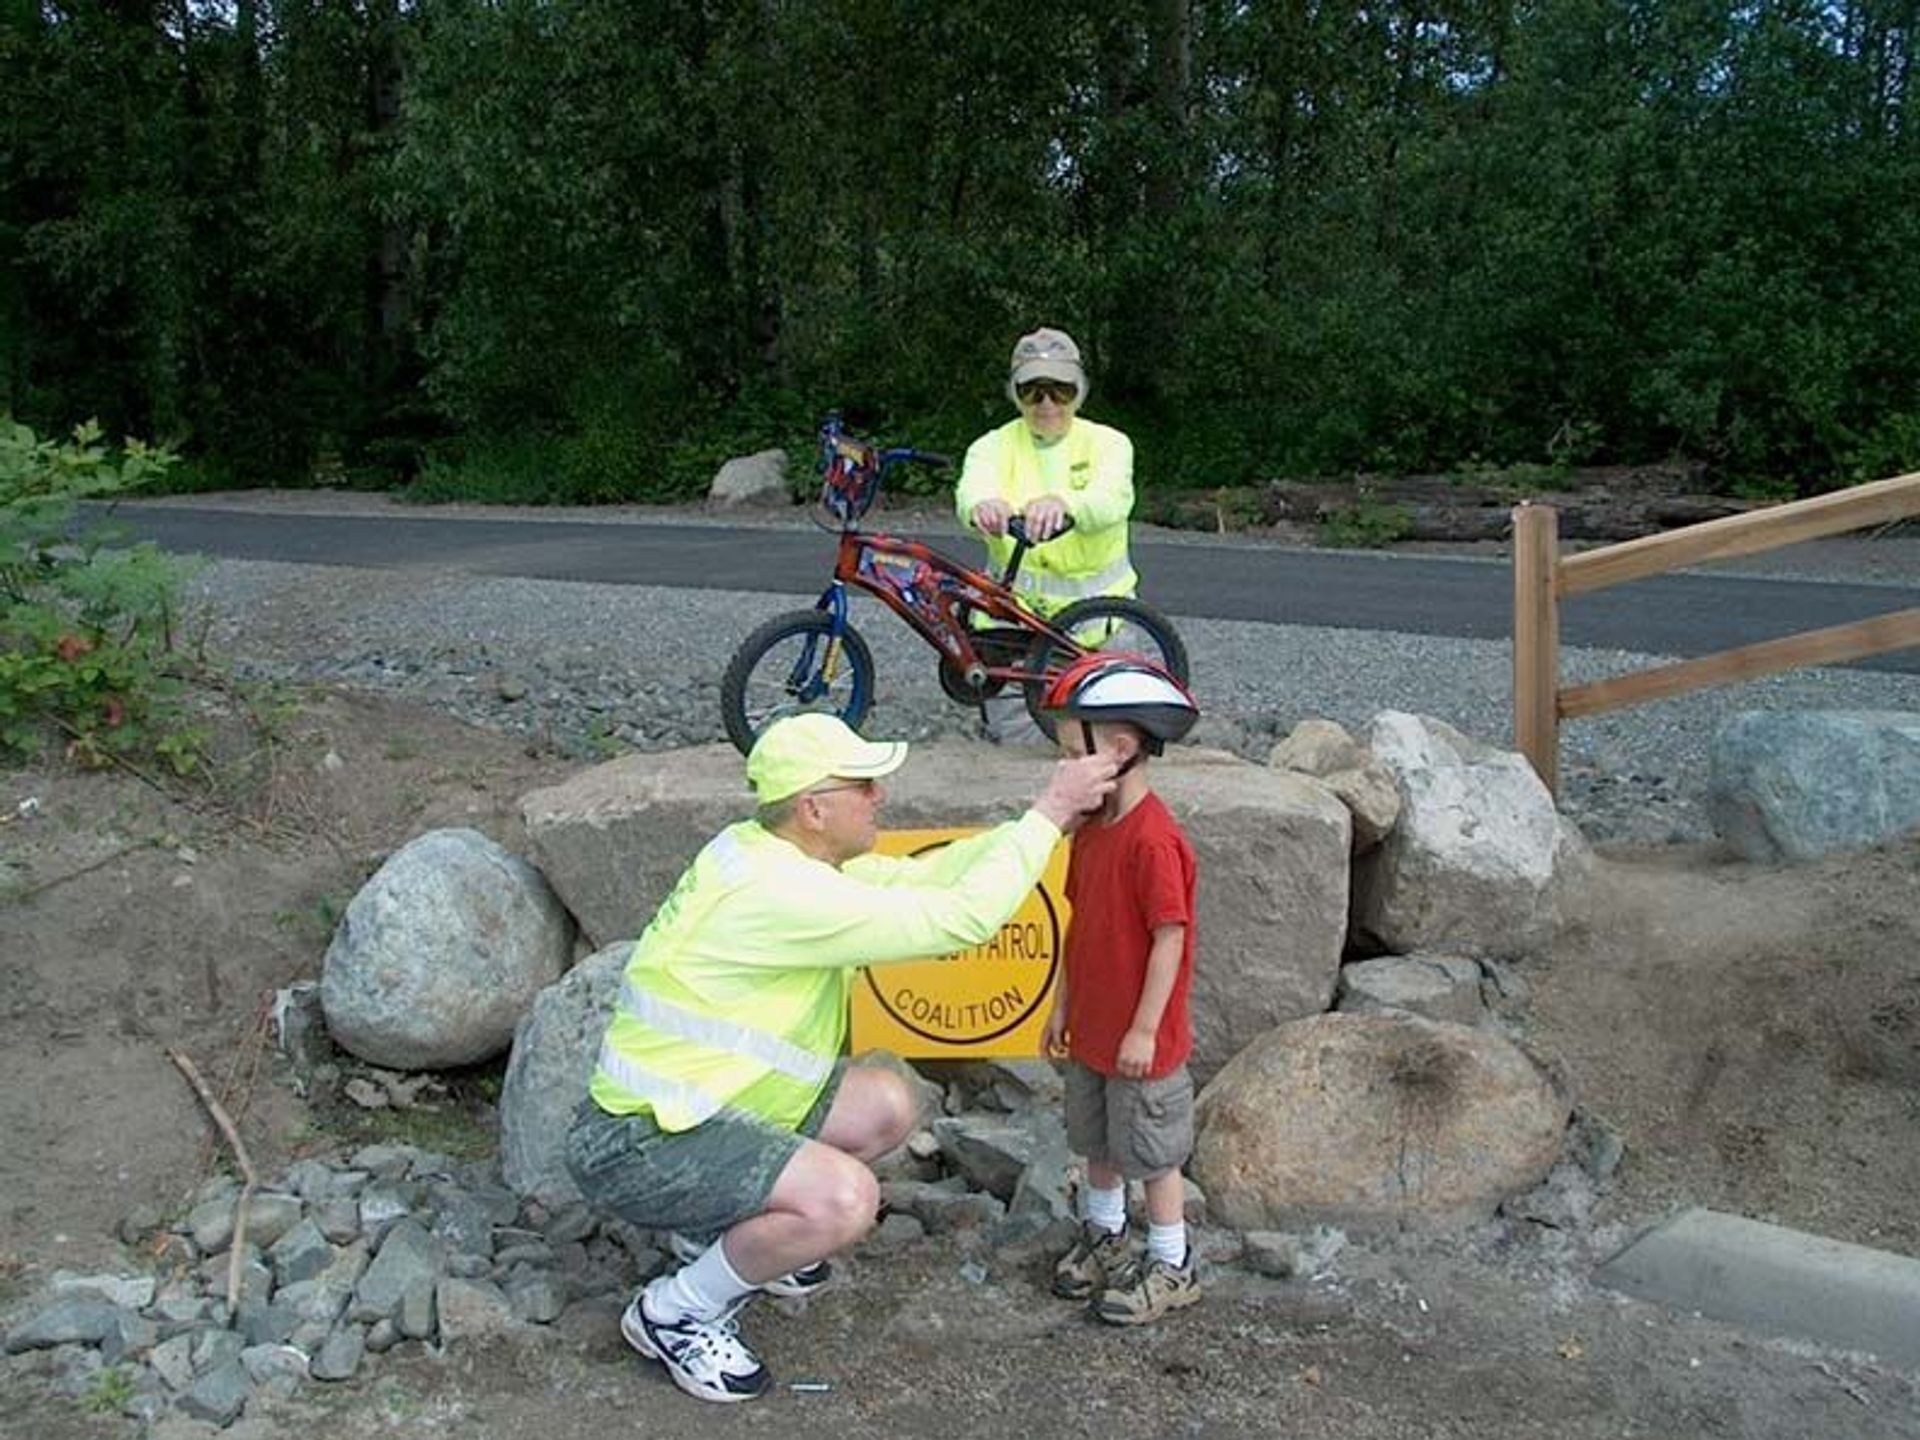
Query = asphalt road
x=1692 y=614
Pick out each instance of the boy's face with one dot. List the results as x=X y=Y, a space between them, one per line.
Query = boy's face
x=1119 y=741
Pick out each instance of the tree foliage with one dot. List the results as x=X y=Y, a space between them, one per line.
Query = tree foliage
x=575 y=249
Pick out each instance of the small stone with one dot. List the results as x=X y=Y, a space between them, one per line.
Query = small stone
x=134 y=1292
x=78 y=1319
x=219 y=1395
x=365 y=1094
x=172 y=1361
x=340 y=1357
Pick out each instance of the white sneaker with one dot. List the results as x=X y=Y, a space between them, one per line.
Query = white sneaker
x=706 y=1358
x=807 y=1280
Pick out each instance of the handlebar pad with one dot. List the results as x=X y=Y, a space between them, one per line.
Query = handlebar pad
x=1017 y=528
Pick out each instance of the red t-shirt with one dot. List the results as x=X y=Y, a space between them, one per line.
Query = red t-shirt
x=1124 y=881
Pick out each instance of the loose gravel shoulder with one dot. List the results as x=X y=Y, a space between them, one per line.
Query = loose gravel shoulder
x=594 y=670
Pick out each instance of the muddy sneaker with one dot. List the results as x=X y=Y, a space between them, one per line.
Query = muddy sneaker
x=1095 y=1257
x=1147 y=1290
x=793 y=1285
x=706 y=1358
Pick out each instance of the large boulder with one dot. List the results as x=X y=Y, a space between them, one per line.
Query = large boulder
x=441 y=952
x=1272 y=849
x=1374 y=1122
x=553 y=1059
x=1324 y=750
x=758 y=479
x=1797 y=785
x=1479 y=862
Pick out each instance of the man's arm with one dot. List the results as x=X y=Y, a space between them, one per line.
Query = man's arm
x=834 y=918
x=1163 y=967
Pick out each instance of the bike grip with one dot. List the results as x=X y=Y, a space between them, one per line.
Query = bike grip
x=928 y=457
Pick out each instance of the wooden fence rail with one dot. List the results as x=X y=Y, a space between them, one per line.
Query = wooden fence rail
x=1541 y=579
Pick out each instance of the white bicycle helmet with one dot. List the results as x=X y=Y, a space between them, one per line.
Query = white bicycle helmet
x=1105 y=687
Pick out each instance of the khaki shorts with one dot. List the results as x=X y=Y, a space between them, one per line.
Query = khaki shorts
x=700 y=1181
x=1142 y=1128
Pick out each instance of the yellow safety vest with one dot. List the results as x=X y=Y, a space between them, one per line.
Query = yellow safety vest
x=1097 y=484
x=736 y=995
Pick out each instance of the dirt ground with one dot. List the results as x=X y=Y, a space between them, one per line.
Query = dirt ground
x=1752 y=1034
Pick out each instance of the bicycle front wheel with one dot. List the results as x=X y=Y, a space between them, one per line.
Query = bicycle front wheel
x=1105 y=622
x=793 y=664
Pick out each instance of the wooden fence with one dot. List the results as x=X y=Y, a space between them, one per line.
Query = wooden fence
x=1542 y=579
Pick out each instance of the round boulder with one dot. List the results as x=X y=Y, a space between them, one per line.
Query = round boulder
x=1374 y=1122
x=554 y=1052
x=441 y=953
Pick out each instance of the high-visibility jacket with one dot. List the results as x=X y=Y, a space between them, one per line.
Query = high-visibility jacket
x=1091 y=468
x=736 y=995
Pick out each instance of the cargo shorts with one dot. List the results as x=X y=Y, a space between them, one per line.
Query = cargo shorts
x=700 y=1181
x=1142 y=1128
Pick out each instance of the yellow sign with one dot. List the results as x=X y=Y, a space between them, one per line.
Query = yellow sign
x=992 y=999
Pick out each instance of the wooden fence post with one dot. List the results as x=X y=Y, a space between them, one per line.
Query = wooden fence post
x=1536 y=640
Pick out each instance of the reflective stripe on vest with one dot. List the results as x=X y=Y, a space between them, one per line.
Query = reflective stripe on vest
x=665 y=1096
x=716 y=1033
x=1115 y=579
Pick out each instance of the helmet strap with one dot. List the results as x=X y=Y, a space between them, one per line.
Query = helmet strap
x=1109 y=808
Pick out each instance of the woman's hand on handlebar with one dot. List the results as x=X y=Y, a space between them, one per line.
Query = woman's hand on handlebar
x=1044 y=518
x=990 y=517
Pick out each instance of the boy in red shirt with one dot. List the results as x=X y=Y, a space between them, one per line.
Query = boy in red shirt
x=1120 y=1016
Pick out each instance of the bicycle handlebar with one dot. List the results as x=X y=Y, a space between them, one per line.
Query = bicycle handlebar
x=1017 y=528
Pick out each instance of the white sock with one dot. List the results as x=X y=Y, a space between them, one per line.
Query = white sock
x=1106 y=1209
x=1168 y=1243
x=703 y=1288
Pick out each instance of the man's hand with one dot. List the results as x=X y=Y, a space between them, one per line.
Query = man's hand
x=990 y=517
x=1076 y=789
x=1044 y=517
x=1136 y=1054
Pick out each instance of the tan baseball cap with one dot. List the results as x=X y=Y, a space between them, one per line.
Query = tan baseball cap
x=1047 y=355
x=800 y=751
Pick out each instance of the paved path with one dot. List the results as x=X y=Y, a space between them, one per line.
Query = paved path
x=1686 y=614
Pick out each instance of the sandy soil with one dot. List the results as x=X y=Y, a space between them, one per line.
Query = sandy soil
x=1752 y=1033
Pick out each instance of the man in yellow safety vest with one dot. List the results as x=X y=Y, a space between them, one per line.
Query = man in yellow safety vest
x=719 y=1105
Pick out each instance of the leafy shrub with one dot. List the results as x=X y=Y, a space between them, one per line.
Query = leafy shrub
x=86 y=634
x=1366 y=524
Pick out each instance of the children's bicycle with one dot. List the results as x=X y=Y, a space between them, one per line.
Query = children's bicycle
x=986 y=638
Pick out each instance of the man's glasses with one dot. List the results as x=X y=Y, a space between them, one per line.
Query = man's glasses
x=1032 y=392
x=866 y=785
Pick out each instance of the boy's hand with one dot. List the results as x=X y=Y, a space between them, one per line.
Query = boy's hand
x=1136 y=1054
x=1053 y=1043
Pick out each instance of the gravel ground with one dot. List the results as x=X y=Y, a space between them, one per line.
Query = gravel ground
x=594 y=669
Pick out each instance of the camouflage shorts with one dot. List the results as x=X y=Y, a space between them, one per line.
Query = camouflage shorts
x=700 y=1181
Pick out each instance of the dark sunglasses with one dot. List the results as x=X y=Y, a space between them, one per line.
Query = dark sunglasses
x=1032 y=392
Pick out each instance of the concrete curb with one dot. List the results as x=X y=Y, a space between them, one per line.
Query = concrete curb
x=1779 y=1281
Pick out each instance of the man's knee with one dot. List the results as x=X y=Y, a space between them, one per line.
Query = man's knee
x=844 y=1202
x=898 y=1111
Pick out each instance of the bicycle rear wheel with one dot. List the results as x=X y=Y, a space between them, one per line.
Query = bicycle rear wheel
x=791 y=665
x=1105 y=622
